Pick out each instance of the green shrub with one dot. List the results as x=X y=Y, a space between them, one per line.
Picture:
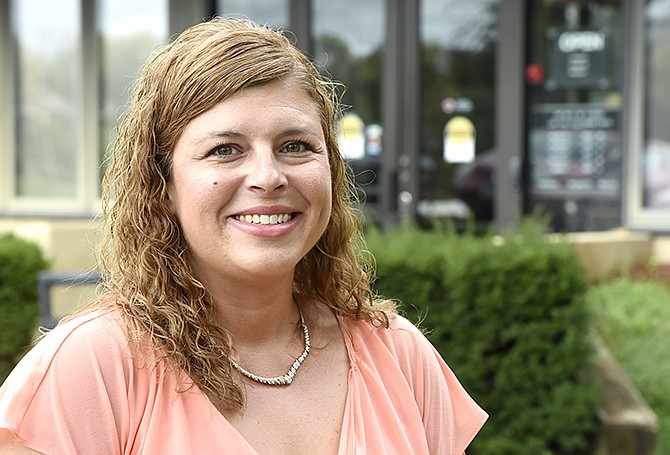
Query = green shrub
x=20 y=262
x=508 y=317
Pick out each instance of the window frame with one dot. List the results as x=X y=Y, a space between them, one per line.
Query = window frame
x=636 y=216
x=85 y=202
x=7 y=98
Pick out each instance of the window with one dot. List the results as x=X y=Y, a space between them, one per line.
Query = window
x=65 y=69
x=48 y=98
x=648 y=102
x=348 y=39
x=273 y=13
x=656 y=161
x=574 y=113
x=458 y=48
x=126 y=41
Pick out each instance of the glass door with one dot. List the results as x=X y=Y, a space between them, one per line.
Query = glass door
x=573 y=86
x=457 y=158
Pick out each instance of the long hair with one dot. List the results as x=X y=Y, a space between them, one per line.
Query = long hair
x=142 y=256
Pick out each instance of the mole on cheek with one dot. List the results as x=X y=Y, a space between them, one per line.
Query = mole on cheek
x=215 y=183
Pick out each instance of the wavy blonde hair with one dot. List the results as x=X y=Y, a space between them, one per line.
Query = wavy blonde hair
x=142 y=256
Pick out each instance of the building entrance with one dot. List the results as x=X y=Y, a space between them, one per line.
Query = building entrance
x=574 y=139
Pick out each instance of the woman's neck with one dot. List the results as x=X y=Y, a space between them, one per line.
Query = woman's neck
x=256 y=312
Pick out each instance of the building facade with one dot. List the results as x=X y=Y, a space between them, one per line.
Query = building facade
x=455 y=108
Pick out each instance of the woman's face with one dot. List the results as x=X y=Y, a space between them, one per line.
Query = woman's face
x=251 y=184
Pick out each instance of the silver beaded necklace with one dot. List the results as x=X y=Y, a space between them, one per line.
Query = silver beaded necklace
x=288 y=377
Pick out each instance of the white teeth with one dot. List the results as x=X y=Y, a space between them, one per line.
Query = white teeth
x=265 y=219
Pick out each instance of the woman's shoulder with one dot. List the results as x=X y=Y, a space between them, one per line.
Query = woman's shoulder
x=400 y=329
x=78 y=376
x=94 y=338
x=402 y=341
x=100 y=330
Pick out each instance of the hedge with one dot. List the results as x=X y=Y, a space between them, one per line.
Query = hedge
x=507 y=314
x=20 y=263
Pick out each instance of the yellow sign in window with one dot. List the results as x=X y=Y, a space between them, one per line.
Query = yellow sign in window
x=459 y=140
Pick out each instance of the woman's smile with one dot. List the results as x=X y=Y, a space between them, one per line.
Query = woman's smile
x=265 y=219
x=267 y=222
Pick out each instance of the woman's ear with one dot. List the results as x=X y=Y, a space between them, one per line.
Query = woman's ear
x=170 y=196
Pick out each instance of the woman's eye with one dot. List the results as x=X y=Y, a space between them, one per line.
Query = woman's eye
x=223 y=151
x=296 y=147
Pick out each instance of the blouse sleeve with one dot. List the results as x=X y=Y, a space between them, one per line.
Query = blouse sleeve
x=69 y=393
x=450 y=416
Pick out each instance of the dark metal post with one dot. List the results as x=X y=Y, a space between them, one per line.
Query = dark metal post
x=510 y=109
x=400 y=112
x=300 y=21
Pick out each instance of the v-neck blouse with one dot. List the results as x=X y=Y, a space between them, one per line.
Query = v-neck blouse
x=80 y=391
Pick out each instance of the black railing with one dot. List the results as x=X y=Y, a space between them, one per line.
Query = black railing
x=48 y=279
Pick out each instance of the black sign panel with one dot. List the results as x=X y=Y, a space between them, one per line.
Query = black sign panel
x=575 y=150
x=578 y=59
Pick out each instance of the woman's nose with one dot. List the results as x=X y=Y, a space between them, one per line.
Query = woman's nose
x=266 y=173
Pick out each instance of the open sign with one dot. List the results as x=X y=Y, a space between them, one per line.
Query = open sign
x=578 y=59
x=582 y=41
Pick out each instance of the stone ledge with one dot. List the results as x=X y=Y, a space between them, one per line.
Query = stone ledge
x=608 y=253
x=628 y=426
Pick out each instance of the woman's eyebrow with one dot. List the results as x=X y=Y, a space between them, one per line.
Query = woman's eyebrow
x=224 y=134
x=231 y=134
x=300 y=132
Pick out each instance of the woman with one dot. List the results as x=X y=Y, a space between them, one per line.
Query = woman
x=234 y=317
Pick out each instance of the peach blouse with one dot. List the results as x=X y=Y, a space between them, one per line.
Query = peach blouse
x=80 y=391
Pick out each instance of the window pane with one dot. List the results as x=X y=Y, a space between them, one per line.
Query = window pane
x=458 y=45
x=126 y=42
x=657 y=134
x=48 y=97
x=574 y=97
x=273 y=13
x=348 y=40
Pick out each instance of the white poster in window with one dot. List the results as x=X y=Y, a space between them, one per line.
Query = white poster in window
x=373 y=138
x=351 y=137
x=459 y=140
